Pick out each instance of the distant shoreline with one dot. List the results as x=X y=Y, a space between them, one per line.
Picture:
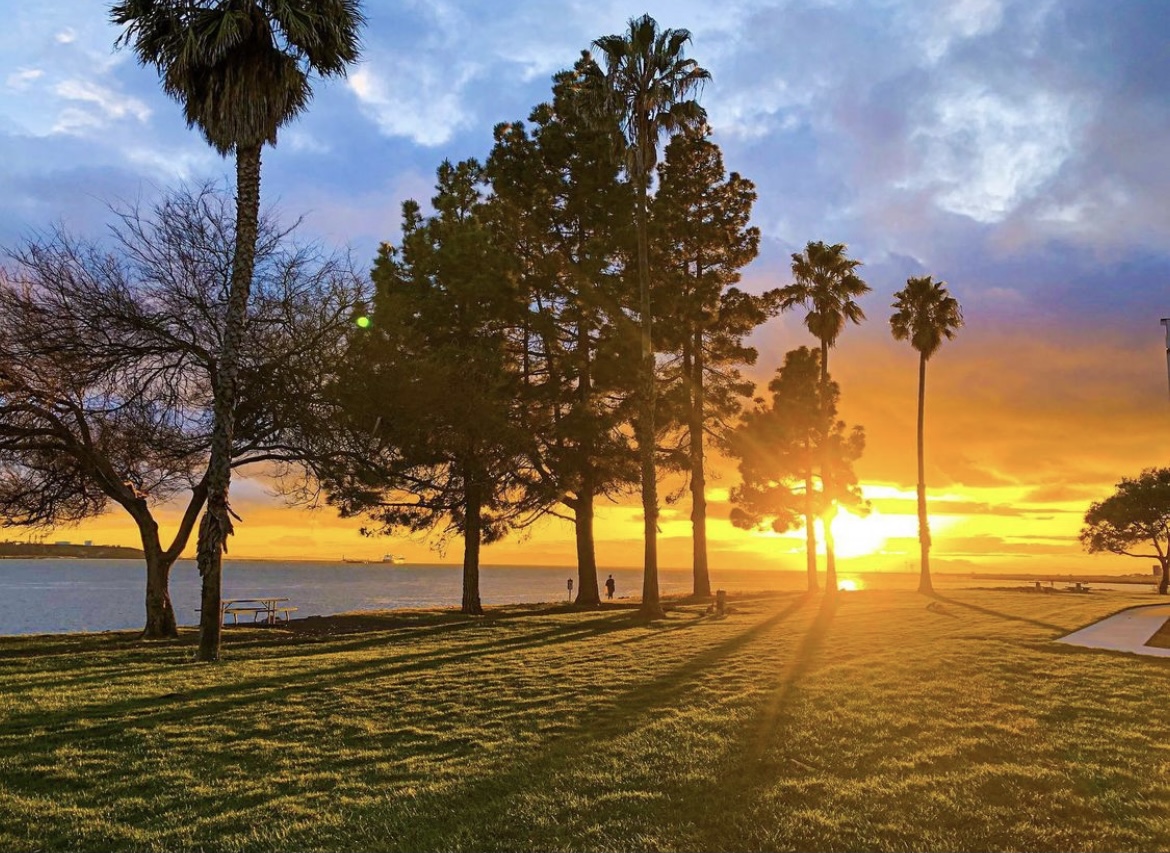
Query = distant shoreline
x=35 y=551
x=1150 y=579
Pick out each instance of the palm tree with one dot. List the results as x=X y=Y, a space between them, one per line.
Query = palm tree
x=826 y=285
x=925 y=314
x=648 y=84
x=240 y=69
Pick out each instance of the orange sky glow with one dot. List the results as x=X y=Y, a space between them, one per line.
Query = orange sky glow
x=1022 y=434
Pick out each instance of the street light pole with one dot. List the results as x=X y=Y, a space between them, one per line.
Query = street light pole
x=1166 y=323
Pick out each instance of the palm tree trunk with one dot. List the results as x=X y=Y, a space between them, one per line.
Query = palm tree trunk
x=651 y=606
x=826 y=483
x=216 y=526
x=924 y=584
x=473 y=507
x=810 y=534
x=830 y=551
x=698 y=472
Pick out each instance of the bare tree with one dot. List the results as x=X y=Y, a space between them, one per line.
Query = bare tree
x=108 y=359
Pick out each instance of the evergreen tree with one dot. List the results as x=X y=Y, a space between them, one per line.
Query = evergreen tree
x=560 y=209
x=785 y=447
x=436 y=386
x=701 y=241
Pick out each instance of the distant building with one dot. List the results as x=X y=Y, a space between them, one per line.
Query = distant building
x=63 y=542
x=88 y=543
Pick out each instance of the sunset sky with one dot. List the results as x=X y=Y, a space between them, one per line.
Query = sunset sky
x=1017 y=150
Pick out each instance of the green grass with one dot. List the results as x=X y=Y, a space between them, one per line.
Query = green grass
x=891 y=722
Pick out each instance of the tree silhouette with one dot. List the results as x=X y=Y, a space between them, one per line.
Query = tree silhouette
x=781 y=446
x=924 y=314
x=649 y=83
x=1137 y=514
x=107 y=361
x=827 y=286
x=241 y=71
x=701 y=239
x=435 y=384
x=561 y=210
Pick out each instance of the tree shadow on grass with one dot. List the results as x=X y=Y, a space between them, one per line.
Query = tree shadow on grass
x=481 y=807
x=987 y=611
x=187 y=705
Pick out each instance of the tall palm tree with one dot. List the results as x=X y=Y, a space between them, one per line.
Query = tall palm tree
x=649 y=82
x=924 y=314
x=240 y=69
x=826 y=285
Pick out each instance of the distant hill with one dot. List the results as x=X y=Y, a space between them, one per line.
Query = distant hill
x=33 y=550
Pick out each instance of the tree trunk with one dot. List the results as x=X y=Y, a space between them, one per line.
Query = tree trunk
x=1164 y=584
x=646 y=432
x=160 y=613
x=471 y=540
x=698 y=473
x=924 y=584
x=216 y=526
x=826 y=482
x=588 y=593
x=830 y=551
x=810 y=529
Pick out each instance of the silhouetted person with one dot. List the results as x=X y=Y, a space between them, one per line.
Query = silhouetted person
x=610 y=586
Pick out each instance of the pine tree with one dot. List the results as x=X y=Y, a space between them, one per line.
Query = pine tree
x=701 y=240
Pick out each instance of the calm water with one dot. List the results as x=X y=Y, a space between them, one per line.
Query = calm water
x=56 y=596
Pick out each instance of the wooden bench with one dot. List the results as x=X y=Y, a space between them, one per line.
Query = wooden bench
x=264 y=610
x=286 y=611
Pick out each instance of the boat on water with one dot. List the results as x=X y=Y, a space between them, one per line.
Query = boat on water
x=396 y=559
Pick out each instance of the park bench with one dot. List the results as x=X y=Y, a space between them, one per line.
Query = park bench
x=267 y=611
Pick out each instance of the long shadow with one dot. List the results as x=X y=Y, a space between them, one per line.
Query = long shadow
x=379 y=633
x=146 y=710
x=485 y=801
x=998 y=614
x=810 y=644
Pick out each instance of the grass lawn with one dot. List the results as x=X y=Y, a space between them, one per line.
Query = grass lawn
x=889 y=722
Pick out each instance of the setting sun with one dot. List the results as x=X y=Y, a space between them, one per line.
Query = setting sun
x=858 y=536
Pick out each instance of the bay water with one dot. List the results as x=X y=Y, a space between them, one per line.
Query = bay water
x=45 y=596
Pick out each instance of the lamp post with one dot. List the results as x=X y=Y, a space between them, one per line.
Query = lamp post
x=1166 y=323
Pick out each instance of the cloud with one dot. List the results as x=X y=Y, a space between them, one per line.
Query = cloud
x=112 y=105
x=419 y=102
x=984 y=152
x=21 y=80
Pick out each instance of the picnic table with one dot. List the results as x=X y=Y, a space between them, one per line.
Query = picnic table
x=265 y=610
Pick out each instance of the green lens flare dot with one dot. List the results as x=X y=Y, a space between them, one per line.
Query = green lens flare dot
x=363 y=322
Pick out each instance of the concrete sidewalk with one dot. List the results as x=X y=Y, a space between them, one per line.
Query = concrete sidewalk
x=1126 y=631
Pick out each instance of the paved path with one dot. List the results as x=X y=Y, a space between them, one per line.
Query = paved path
x=1126 y=631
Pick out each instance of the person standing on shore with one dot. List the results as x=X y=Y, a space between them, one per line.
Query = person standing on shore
x=610 y=586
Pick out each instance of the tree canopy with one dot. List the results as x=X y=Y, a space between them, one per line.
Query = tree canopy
x=1134 y=521
x=108 y=355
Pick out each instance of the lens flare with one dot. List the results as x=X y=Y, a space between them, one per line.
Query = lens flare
x=363 y=322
